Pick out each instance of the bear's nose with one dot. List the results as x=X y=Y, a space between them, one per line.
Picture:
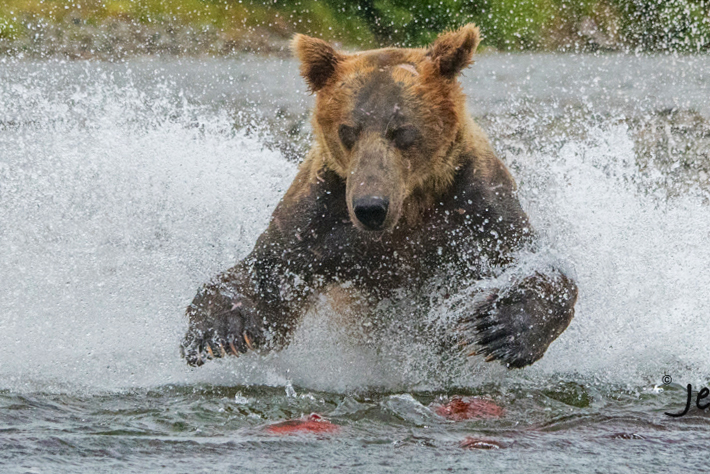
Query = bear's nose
x=371 y=211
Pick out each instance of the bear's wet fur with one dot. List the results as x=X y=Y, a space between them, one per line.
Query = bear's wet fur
x=400 y=188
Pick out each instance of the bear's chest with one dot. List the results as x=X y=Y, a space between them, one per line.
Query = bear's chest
x=459 y=235
x=406 y=258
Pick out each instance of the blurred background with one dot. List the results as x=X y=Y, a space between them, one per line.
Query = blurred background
x=119 y=28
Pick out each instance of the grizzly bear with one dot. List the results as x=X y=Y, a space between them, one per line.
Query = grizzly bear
x=400 y=190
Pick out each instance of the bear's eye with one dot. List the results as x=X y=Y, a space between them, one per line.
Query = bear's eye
x=348 y=135
x=404 y=137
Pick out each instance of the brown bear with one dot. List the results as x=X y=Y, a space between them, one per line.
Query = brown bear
x=400 y=189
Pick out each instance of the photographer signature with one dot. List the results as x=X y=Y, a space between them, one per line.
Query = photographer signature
x=702 y=394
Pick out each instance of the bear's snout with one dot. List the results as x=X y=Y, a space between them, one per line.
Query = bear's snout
x=371 y=211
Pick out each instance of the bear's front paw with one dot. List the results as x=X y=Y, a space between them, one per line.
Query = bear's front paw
x=516 y=326
x=232 y=330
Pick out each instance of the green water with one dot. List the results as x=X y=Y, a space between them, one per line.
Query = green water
x=560 y=428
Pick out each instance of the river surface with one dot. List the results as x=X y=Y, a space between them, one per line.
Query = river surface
x=124 y=186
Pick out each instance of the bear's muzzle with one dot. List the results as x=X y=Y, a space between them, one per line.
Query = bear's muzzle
x=371 y=211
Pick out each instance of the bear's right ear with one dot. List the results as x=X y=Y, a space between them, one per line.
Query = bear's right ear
x=453 y=51
x=319 y=60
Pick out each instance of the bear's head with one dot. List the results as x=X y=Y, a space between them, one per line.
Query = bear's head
x=387 y=120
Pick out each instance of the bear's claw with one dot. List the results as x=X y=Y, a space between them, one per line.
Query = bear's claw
x=213 y=336
x=495 y=333
x=517 y=325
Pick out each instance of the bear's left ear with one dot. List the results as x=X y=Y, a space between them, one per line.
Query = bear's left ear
x=452 y=51
x=319 y=60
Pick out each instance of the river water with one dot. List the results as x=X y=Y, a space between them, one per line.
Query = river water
x=124 y=186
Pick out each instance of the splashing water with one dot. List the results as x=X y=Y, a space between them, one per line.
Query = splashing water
x=114 y=206
x=639 y=262
x=118 y=197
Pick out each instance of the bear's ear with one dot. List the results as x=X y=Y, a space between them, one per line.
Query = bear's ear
x=452 y=51
x=319 y=60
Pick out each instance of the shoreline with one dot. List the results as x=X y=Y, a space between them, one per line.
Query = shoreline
x=116 y=40
x=115 y=29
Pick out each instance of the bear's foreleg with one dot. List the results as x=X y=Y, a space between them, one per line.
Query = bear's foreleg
x=258 y=304
x=516 y=325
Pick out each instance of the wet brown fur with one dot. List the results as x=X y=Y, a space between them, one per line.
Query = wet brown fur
x=452 y=207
